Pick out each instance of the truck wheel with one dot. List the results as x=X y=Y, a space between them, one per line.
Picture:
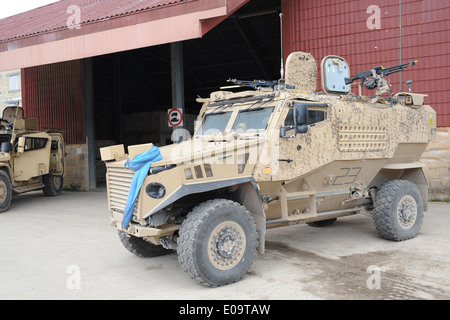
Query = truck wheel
x=322 y=223
x=141 y=247
x=398 y=210
x=5 y=191
x=53 y=185
x=217 y=242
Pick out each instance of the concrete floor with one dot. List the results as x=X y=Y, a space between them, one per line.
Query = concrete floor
x=64 y=248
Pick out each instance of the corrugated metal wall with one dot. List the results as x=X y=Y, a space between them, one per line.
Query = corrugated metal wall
x=54 y=94
x=345 y=28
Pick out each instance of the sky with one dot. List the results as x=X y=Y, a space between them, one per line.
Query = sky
x=9 y=8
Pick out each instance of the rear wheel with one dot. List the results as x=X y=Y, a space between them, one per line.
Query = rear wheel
x=398 y=210
x=5 y=191
x=53 y=185
x=217 y=242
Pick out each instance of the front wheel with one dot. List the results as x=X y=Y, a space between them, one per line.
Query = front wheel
x=217 y=242
x=398 y=210
x=5 y=191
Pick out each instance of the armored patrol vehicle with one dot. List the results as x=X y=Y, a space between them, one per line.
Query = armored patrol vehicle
x=29 y=159
x=278 y=154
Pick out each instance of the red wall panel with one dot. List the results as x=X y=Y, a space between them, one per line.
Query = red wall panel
x=325 y=27
x=54 y=94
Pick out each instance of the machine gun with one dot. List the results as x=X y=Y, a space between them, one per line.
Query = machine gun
x=378 y=73
x=256 y=84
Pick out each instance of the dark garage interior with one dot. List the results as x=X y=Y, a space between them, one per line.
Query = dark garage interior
x=133 y=89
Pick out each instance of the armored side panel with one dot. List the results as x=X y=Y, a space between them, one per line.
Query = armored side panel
x=301 y=72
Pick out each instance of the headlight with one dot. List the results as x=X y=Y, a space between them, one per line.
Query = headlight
x=155 y=190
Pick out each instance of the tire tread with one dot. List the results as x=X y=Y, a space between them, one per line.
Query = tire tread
x=188 y=235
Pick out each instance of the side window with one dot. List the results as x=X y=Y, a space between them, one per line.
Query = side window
x=14 y=83
x=35 y=143
x=289 y=121
x=314 y=116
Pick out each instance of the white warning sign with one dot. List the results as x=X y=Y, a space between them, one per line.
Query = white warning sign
x=175 y=117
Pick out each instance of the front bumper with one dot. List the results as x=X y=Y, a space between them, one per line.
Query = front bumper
x=140 y=231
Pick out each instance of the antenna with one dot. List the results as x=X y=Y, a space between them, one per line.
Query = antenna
x=282 y=80
x=400 y=31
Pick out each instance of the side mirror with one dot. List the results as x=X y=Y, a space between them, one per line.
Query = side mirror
x=300 y=121
x=301 y=118
x=21 y=145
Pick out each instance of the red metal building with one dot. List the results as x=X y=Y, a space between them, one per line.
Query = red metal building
x=399 y=32
x=121 y=42
x=369 y=33
x=49 y=46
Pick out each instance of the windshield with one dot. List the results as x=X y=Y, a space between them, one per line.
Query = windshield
x=252 y=121
x=214 y=122
x=247 y=121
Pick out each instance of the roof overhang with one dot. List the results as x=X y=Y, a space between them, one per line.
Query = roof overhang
x=177 y=22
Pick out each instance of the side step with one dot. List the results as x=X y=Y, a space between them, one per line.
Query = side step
x=310 y=212
x=28 y=188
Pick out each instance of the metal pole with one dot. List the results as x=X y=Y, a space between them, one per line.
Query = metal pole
x=89 y=118
x=282 y=53
x=177 y=77
x=117 y=70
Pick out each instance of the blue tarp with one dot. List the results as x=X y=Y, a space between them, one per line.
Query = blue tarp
x=141 y=164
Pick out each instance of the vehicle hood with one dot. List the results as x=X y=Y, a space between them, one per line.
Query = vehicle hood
x=199 y=150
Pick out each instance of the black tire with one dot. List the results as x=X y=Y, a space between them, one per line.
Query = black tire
x=217 y=242
x=5 y=191
x=53 y=185
x=141 y=247
x=398 y=210
x=322 y=223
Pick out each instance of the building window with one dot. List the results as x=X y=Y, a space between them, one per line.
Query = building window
x=14 y=82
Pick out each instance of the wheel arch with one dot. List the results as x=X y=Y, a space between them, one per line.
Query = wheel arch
x=7 y=170
x=243 y=191
x=248 y=195
x=195 y=189
x=415 y=175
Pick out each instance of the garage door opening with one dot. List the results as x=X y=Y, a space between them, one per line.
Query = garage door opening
x=132 y=90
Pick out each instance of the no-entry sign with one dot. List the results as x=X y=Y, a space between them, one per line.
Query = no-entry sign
x=175 y=117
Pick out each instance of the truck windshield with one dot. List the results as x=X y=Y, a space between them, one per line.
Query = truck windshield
x=214 y=122
x=252 y=121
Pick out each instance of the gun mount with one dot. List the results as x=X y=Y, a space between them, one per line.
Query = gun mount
x=375 y=78
x=258 y=84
